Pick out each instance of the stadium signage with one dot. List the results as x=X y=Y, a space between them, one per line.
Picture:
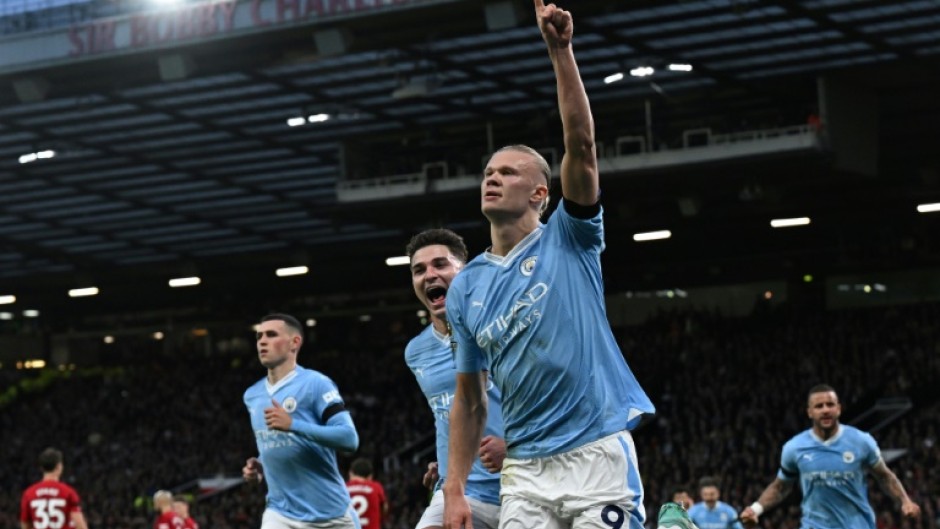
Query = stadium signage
x=194 y=22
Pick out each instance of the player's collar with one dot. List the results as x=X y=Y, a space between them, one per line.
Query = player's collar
x=829 y=441
x=272 y=388
x=440 y=336
x=522 y=246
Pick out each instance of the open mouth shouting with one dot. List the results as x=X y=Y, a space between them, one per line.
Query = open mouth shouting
x=437 y=296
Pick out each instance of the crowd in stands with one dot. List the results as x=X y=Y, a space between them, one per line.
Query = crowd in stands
x=729 y=392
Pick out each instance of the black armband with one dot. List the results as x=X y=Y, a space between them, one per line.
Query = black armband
x=332 y=410
x=582 y=212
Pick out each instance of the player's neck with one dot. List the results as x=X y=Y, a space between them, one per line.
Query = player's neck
x=826 y=434
x=440 y=325
x=506 y=234
x=50 y=476
x=278 y=372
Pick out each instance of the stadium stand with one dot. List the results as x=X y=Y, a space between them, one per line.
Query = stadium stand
x=728 y=390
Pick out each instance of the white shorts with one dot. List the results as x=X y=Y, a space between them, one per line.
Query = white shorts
x=485 y=515
x=275 y=520
x=595 y=486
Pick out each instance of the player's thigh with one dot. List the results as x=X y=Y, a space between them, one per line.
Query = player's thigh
x=485 y=515
x=608 y=517
x=520 y=513
x=274 y=520
x=433 y=516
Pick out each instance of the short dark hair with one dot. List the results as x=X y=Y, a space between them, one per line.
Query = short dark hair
x=49 y=459
x=820 y=388
x=679 y=490
x=441 y=236
x=288 y=320
x=181 y=498
x=361 y=467
x=707 y=481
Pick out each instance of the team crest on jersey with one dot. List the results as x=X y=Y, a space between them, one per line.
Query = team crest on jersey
x=289 y=404
x=848 y=457
x=528 y=265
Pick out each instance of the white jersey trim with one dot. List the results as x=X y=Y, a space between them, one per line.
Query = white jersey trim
x=522 y=246
x=443 y=338
x=272 y=388
x=831 y=440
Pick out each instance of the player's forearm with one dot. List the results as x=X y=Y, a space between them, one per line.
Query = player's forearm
x=573 y=104
x=339 y=433
x=467 y=418
x=775 y=493
x=579 y=165
x=78 y=521
x=890 y=483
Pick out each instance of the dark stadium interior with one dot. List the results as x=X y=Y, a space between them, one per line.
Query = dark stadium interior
x=193 y=170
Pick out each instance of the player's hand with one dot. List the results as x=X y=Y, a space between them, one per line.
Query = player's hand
x=909 y=509
x=555 y=23
x=748 y=517
x=252 y=471
x=276 y=417
x=431 y=476
x=492 y=453
x=457 y=512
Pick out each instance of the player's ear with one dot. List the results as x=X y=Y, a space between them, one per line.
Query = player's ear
x=539 y=194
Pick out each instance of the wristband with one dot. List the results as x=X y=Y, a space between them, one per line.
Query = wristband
x=757 y=508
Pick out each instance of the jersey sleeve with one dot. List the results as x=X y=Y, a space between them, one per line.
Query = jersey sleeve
x=74 y=502
x=326 y=398
x=788 y=469
x=587 y=234
x=733 y=516
x=467 y=355
x=871 y=451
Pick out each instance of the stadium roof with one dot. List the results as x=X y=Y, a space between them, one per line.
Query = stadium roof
x=202 y=174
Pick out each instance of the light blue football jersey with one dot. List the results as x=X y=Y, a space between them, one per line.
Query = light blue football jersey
x=431 y=359
x=537 y=318
x=303 y=480
x=723 y=516
x=832 y=475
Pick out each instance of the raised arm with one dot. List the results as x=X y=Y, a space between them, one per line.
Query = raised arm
x=890 y=483
x=579 y=179
x=467 y=417
x=775 y=493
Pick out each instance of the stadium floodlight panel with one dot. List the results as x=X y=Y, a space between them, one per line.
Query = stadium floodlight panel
x=642 y=71
x=787 y=223
x=185 y=281
x=7 y=299
x=318 y=118
x=613 y=78
x=31 y=313
x=83 y=292
x=400 y=260
x=291 y=271
x=680 y=67
x=652 y=235
x=296 y=122
x=928 y=208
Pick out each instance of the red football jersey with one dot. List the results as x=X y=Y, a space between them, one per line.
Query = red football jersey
x=168 y=520
x=368 y=497
x=49 y=505
x=189 y=523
